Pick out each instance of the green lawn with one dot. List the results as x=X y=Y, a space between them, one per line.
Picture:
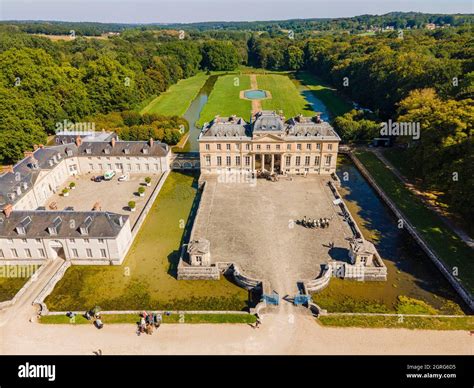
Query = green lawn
x=12 y=278
x=176 y=100
x=426 y=323
x=147 y=279
x=398 y=158
x=335 y=103
x=225 y=98
x=285 y=95
x=134 y=318
x=452 y=250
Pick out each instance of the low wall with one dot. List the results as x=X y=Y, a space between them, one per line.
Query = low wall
x=320 y=283
x=48 y=288
x=23 y=289
x=438 y=262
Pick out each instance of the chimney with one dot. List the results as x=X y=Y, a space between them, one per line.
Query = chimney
x=7 y=169
x=7 y=210
x=112 y=142
x=151 y=142
x=78 y=141
x=40 y=145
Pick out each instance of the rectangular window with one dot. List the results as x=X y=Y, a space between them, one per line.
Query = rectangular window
x=278 y=146
x=86 y=240
x=329 y=147
x=318 y=146
x=268 y=147
x=207 y=147
x=237 y=160
x=208 y=160
x=24 y=240
x=298 y=147
x=328 y=160
x=288 y=147
x=101 y=240
x=27 y=252
x=219 y=161
x=89 y=252
x=103 y=253
x=298 y=160
x=41 y=252
x=307 y=160
x=1 y=253
x=247 y=160
x=258 y=146
x=71 y=240
x=227 y=161
x=247 y=146
x=288 y=161
x=138 y=167
x=38 y=240
x=75 y=253
x=227 y=147
x=218 y=147
x=91 y=167
x=316 y=160
x=308 y=146
x=14 y=252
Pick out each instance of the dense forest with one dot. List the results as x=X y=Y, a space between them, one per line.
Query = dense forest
x=419 y=75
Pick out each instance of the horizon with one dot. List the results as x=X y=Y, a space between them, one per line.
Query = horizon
x=212 y=11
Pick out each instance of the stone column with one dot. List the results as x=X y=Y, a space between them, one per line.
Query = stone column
x=273 y=163
x=263 y=161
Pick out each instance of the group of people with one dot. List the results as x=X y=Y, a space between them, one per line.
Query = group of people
x=91 y=314
x=314 y=223
x=149 y=322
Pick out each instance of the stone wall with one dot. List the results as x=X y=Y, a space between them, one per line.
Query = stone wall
x=48 y=288
x=445 y=270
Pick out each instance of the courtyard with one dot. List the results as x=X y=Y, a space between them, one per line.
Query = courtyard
x=147 y=277
x=112 y=196
x=254 y=225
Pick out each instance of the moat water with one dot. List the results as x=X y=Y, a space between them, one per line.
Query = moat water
x=410 y=272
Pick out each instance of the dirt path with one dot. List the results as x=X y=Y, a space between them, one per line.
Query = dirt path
x=290 y=331
x=441 y=214
x=256 y=104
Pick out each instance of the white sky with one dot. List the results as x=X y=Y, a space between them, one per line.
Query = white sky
x=169 y=11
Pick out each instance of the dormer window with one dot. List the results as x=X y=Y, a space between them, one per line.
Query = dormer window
x=145 y=151
x=50 y=163
x=23 y=226
x=107 y=151
x=85 y=227
x=53 y=229
x=18 y=190
x=69 y=152
x=88 y=151
x=24 y=185
x=59 y=156
x=127 y=151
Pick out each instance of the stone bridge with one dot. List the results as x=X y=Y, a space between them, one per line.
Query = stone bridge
x=185 y=161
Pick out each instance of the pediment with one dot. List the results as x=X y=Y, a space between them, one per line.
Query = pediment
x=267 y=138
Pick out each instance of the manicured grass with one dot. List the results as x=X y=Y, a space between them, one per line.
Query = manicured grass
x=335 y=103
x=285 y=95
x=452 y=250
x=176 y=100
x=147 y=279
x=134 y=318
x=12 y=278
x=426 y=323
x=225 y=98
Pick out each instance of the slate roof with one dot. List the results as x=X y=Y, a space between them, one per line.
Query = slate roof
x=68 y=224
x=269 y=122
x=14 y=185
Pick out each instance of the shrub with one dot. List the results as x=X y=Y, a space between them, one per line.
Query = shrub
x=132 y=204
x=65 y=190
x=141 y=190
x=72 y=184
x=148 y=179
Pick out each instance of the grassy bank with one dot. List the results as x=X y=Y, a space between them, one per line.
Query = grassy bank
x=147 y=278
x=134 y=318
x=426 y=323
x=336 y=104
x=176 y=100
x=13 y=278
x=449 y=247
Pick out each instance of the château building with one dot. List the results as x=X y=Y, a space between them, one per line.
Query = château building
x=270 y=143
